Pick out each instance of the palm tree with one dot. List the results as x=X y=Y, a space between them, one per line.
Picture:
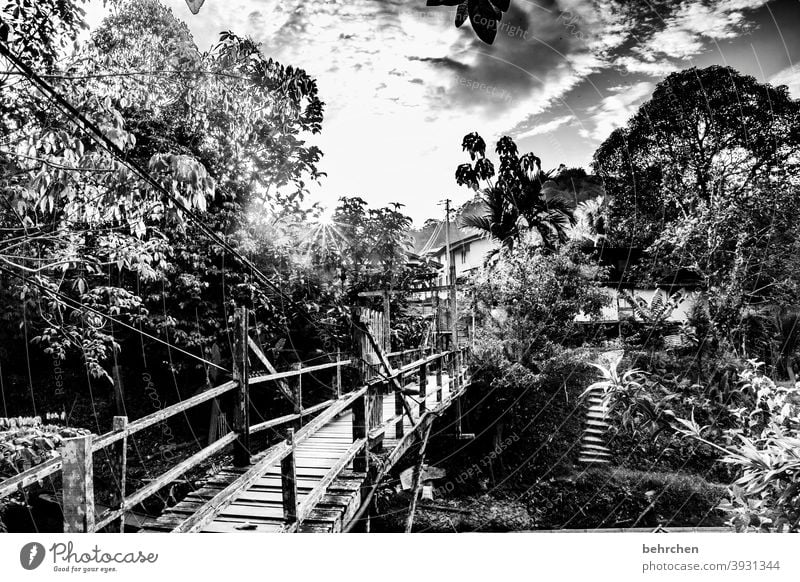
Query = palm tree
x=514 y=203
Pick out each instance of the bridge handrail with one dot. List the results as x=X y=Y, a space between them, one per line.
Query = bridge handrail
x=100 y=442
x=328 y=410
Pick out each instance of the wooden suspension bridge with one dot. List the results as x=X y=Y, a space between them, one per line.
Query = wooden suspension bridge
x=321 y=477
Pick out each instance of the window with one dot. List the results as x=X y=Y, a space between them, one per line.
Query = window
x=464 y=253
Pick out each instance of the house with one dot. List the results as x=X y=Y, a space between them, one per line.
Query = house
x=619 y=288
x=468 y=248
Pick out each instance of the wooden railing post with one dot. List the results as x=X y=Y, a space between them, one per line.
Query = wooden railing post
x=119 y=454
x=399 y=410
x=338 y=375
x=438 y=365
x=241 y=404
x=459 y=417
x=289 y=481
x=296 y=386
x=451 y=373
x=360 y=416
x=78 y=484
x=423 y=388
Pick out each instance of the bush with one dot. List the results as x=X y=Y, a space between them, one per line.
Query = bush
x=540 y=411
x=620 y=497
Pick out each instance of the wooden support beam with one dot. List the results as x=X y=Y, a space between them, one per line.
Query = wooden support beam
x=399 y=405
x=119 y=456
x=241 y=403
x=360 y=430
x=296 y=388
x=338 y=375
x=439 y=365
x=423 y=388
x=459 y=419
x=78 y=485
x=283 y=385
x=417 y=480
x=387 y=327
x=289 y=481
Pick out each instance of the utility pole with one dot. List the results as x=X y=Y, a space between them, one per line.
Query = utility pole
x=451 y=282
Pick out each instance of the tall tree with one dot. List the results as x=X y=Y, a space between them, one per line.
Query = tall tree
x=706 y=138
x=704 y=176
x=224 y=132
x=513 y=202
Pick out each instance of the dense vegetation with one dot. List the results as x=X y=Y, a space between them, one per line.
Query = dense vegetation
x=702 y=183
x=121 y=261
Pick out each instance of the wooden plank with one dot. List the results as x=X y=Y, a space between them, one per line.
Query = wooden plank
x=288 y=418
x=167 y=477
x=283 y=386
x=263 y=462
x=78 y=485
x=314 y=497
x=31 y=476
x=120 y=468
x=289 y=482
x=36 y=474
x=291 y=373
x=137 y=425
x=417 y=480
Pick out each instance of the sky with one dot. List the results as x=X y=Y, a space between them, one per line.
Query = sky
x=402 y=85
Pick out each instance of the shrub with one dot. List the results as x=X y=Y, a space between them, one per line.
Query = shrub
x=619 y=497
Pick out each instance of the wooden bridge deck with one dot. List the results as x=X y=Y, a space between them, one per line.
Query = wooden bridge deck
x=260 y=507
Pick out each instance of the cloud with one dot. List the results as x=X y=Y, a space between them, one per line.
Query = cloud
x=402 y=85
x=790 y=76
x=684 y=31
x=615 y=109
x=547 y=127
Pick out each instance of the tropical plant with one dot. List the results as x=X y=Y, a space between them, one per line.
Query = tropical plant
x=513 y=203
x=588 y=222
x=630 y=398
x=764 y=447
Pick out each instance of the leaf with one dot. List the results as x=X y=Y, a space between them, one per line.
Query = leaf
x=195 y=5
x=461 y=14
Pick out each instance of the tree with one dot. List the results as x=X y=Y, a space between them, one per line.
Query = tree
x=513 y=203
x=530 y=298
x=221 y=131
x=704 y=176
x=705 y=139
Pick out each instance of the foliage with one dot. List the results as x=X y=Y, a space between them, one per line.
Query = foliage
x=531 y=410
x=704 y=139
x=763 y=446
x=529 y=299
x=635 y=403
x=622 y=497
x=26 y=442
x=223 y=131
x=752 y=430
x=704 y=176
x=513 y=202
